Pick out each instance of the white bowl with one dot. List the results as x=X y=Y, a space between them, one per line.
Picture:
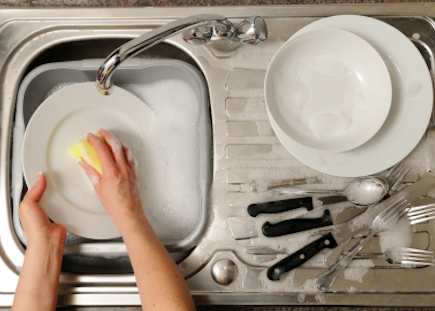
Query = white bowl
x=328 y=90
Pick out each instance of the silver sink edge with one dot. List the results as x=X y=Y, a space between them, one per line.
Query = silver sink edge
x=22 y=40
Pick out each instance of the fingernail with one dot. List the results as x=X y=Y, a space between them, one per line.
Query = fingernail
x=81 y=163
x=39 y=176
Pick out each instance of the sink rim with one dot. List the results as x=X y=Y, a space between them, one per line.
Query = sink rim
x=128 y=295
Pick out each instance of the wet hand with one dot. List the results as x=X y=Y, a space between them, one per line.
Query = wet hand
x=37 y=226
x=117 y=187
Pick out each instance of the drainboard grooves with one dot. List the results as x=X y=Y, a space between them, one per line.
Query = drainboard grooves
x=246 y=109
x=248 y=159
x=248 y=129
x=248 y=151
x=241 y=79
x=251 y=175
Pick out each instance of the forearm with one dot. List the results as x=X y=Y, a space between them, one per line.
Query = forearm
x=39 y=278
x=160 y=282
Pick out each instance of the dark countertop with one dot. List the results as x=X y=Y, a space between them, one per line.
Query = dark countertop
x=163 y=3
x=248 y=308
x=172 y=3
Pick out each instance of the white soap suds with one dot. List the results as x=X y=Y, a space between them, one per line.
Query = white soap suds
x=356 y=274
x=93 y=178
x=325 y=124
x=329 y=65
x=398 y=236
x=168 y=153
x=114 y=143
x=342 y=96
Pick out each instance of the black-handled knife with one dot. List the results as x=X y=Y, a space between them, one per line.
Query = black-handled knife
x=340 y=234
x=344 y=232
x=290 y=204
x=296 y=225
x=298 y=258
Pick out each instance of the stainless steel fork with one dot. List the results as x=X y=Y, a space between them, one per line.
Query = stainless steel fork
x=403 y=256
x=412 y=257
x=396 y=174
x=387 y=218
x=422 y=213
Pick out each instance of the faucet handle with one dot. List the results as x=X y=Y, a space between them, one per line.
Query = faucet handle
x=198 y=36
x=252 y=30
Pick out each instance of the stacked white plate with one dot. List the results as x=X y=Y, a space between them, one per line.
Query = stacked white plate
x=387 y=85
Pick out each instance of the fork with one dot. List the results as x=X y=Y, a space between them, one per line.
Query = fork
x=403 y=256
x=382 y=222
x=422 y=213
x=411 y=257
x=396 y=174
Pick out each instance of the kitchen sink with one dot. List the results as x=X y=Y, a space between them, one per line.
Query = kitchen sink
x=246 y=155
x=76 y=62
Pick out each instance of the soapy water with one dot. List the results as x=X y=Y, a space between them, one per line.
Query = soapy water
x=58 y=88
x=165 y=155
x=168 y=156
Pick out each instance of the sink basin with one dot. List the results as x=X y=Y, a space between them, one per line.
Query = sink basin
x=138 y=76
x=246 y=154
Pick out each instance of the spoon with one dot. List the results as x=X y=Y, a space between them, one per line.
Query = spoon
x=362 y=191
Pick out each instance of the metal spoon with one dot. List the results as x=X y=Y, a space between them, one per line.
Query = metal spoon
x=363 y=191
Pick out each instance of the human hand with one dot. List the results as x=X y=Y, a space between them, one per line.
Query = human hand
x=117 y=188
x=39 y=276
x=38 y=228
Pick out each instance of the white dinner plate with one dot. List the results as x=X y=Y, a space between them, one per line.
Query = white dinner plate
x=328 y=90
x=59 y=122
x=410 y=108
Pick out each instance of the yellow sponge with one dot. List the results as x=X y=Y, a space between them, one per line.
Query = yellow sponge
x=83 y=149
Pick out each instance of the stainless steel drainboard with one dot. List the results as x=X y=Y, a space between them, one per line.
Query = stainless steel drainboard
x=246 y=152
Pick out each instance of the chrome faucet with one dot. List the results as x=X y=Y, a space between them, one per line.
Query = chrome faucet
x=195 y=30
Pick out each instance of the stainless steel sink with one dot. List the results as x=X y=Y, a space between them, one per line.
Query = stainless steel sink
x=245 y=149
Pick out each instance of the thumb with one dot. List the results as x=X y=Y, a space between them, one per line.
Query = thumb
x=93 y=175
x=35 y=194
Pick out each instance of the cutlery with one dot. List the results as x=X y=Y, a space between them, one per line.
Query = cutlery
x=291 y=204
x=412 y=257
x=404 y=256
x=387 y=218
x=341 y=234
x=291 y=226
x=382 y=222
x=422 y=213
x=362 y=191
x=396 y=174
x=416 y=215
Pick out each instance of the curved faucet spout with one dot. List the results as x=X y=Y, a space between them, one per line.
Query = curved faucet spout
x=196 y=30
x=104 y=82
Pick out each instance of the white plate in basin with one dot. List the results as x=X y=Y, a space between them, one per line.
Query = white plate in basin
x=411 y=104
x=328 y=90
x=59 y=122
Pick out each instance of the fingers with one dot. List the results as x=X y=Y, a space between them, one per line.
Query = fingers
x=116 y=147
x=131 y=161
x=103 y=152
x=92 y=174
x=31 y=213
x=114 y=155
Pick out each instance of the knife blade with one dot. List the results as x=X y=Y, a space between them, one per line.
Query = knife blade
x=291 y=204
x=328 y=218
x=344 y=232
